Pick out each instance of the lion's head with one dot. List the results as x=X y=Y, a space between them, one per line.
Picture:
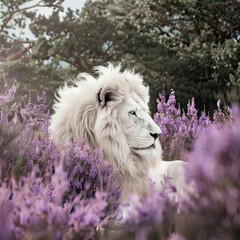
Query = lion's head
x=111 y=113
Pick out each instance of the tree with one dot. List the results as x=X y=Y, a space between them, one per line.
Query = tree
x=61 y=48
x=17 y=61
x=192 y=47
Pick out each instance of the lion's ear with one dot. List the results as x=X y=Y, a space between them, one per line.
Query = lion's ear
x=106 y=94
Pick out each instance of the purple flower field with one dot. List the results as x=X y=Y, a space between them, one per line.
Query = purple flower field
x=50 y=193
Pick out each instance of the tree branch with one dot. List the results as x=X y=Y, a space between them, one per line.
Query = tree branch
x=18 y=55
x=20 y=10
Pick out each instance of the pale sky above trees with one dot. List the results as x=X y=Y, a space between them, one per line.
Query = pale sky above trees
x=73 y=4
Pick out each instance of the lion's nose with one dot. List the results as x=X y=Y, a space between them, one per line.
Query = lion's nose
x=155 y=135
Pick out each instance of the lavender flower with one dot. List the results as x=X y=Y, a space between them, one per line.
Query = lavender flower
x=213 y=212
x=5 y=216
x=179 y=130
x=152 y=216
x=8 y=96
x=46 y=193
x=50 y=194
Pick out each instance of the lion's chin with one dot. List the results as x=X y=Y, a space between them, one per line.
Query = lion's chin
x=151 y=147
x=145 y=152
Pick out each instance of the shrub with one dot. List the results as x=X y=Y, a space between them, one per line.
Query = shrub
x=180 y=129
x=47 y=193
x=212 y=210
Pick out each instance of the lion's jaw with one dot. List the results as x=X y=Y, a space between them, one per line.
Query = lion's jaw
x=140 y=130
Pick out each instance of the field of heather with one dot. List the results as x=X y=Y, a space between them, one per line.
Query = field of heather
x=46 y=193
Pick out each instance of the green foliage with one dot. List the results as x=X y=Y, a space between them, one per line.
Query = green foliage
x=190 y=46
x=23 y=60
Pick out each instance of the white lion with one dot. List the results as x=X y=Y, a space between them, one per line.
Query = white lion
x=111 y=113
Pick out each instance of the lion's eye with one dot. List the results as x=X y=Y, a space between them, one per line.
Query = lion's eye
x=133 y=113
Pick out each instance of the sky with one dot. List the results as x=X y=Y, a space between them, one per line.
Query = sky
x=73 y=4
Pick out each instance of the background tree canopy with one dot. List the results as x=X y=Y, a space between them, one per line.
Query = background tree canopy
x=191 y=47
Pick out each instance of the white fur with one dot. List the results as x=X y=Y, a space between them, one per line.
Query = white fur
x=101 y=112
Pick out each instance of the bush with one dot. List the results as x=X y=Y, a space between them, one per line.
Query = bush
x=48 y=193
x=212 y=210
x=179 y=129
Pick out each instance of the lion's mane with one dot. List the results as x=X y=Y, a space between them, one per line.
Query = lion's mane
x=78 y=116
